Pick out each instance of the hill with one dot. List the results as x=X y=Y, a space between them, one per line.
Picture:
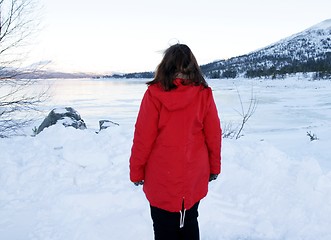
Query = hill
x=306 y=51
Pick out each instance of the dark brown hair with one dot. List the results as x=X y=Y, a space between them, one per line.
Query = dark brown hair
x=178 y=61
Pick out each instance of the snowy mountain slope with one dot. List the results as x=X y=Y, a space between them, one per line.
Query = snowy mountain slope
x=310 y=43
x=306 y=51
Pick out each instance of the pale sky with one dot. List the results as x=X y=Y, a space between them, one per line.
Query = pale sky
x=105 y=36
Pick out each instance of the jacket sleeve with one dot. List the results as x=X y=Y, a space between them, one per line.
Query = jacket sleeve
x=144 y=137
x=213 y=135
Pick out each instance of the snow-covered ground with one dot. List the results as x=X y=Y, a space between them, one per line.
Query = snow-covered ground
x=68 y=184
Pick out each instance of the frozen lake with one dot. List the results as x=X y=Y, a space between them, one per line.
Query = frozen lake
x=282 y=105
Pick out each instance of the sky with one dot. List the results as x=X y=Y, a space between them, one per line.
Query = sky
x=108 y=36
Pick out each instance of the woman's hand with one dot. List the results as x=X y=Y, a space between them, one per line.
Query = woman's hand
x=213 y=177
x=139 y=183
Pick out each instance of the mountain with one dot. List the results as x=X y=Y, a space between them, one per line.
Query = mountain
x=306 y=51
x=41 y=74
x=131 y=75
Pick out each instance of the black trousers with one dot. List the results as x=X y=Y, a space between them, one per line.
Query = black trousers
x=167 y=224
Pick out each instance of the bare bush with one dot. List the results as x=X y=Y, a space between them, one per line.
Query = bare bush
x=312 y=136
x=17 y=96
x=246 y=113
x=18 y=103
x=229 y=131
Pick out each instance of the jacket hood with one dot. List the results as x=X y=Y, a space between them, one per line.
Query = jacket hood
x=177 y=98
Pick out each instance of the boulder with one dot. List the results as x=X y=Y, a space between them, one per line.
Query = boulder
x=104 y=124
x=68 y=116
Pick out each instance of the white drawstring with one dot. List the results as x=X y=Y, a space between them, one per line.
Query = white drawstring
x=182 y=218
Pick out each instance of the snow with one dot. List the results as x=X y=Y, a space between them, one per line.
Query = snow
x=60 y=110
x=326 y=25
x=74 y=184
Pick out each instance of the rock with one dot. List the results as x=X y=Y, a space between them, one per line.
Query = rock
x=68 y=116
x=106 y=124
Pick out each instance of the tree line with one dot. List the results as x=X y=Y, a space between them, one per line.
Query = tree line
x=322 y=66
x=272 y=67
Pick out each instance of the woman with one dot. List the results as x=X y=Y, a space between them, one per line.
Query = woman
x=176 y=145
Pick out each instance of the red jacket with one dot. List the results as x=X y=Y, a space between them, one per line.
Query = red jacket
x=176 y=145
